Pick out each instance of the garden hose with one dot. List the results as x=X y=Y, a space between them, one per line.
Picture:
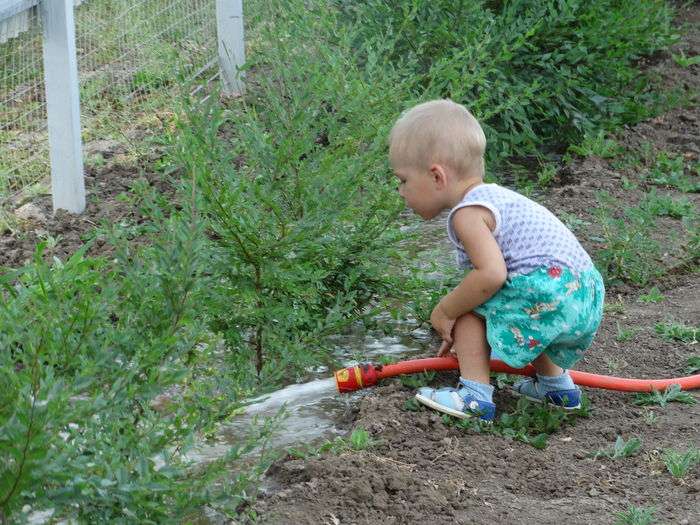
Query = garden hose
x=365 y=375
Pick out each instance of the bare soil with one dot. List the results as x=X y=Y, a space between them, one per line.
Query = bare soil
x=107 y=185
x=424 y=471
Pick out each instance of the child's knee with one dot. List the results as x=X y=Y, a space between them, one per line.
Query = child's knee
x=469 y=322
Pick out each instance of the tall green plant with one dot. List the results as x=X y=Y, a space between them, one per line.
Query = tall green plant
x=294 y=185
x=534 y=72
x=88 y=346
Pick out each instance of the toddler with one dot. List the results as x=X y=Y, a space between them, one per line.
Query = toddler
x=532 y=294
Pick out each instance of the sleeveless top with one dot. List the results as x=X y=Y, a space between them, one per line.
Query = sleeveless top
x=528 y=234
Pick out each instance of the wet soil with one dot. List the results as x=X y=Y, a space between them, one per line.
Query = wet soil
x=425 y=471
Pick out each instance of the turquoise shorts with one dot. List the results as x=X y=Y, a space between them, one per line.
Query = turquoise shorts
x=550 y=310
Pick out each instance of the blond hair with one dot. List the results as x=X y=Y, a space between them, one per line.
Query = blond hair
x=438 y=132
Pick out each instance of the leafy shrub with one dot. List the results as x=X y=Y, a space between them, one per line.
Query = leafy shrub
x=534 y=72
x=88 y=346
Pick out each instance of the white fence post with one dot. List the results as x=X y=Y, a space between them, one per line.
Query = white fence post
x=63 y=105
x=229 y=25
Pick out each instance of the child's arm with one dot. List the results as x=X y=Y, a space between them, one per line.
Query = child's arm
x=473 y=226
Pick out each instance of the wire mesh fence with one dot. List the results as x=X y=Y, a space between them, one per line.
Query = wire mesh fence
x=23 y=140
x=131 y=55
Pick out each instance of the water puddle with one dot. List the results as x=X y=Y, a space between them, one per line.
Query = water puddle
x=314 y=411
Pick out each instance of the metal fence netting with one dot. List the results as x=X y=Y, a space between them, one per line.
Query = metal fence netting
x=131 y=55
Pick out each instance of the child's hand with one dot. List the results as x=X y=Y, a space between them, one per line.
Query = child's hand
x=443 y=325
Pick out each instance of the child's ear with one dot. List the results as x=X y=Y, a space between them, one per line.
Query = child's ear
x=438 y=174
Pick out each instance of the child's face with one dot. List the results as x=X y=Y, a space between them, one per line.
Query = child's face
x=420 y=191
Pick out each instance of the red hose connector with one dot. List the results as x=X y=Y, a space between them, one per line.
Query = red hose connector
x=364 y=375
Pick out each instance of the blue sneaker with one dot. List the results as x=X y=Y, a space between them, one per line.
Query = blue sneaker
x=456 y=402
x=531 y=389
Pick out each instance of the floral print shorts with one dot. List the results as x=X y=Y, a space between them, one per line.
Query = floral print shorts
x=551 y=310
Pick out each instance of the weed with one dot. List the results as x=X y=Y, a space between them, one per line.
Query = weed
x=679 y=464
x=624 y=334
x=573 y=222
x=653 y=296
x=666 y=206
x=685 y=61
x=530 y=423
x=621 y=449
x=359 y=439
x=678 y=332
x=417 y=380
x=672 y=393
x=505 y=380
x=597 y=145
x=617 y=307
x=627 y=251
x=412 y=405
x=546 y=175
x=670 y=170
x=693 y=365
x=615 y=364
x=635 y=516
x=650 y=417
x=628 y=185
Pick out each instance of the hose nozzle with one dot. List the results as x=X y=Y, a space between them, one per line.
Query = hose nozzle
x=356 y=377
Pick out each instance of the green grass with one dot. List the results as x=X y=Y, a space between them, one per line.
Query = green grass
x=693 y=365
x=679 y=464
x=653 y=296
x=624 y=334
x=673 y=171
x=597 y=144
x=672 y=394
x=358 y=440
x=530 y=423
x=635 y=516
x=621 y=449
x=675 y=331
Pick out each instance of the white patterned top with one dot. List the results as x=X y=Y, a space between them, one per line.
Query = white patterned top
x=528 y=234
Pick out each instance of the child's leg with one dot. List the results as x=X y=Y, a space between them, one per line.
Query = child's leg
x=472 y=348
x=473 y=397
x=552 y=384
x=546 y=367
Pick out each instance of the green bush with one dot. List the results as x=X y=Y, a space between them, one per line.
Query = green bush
x=88 y=345
x=534 y=72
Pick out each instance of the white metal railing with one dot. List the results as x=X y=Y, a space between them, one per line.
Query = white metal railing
x=61 y=76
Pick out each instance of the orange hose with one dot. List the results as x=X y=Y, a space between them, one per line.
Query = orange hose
x=622 y=384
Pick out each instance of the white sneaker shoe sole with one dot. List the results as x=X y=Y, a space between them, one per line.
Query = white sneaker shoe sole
x=442 y=408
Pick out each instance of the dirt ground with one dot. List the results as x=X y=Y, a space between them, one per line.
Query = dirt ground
x=106 y=183
x=424 y=471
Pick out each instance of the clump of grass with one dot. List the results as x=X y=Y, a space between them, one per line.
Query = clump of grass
x=597 y=144
x=693 y=364
x=621 y=449
x=669 y=170
x=680 y=463
x=636 y=516
x=653 y=296
x=627 y=252
x=678 y=331
x=685 y=61
x=530 y=423
x=672 y=393
x=624 y=334
x=417 y=380
x=660 y=205
x=359 y=439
